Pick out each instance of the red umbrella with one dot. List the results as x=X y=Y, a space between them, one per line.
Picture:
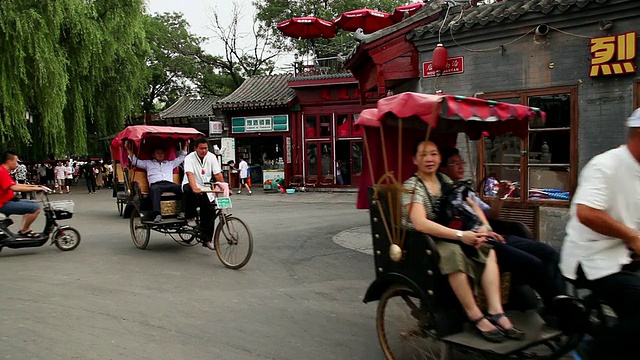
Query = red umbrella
x=308 y=27
x=405 y=10
x=368 y=20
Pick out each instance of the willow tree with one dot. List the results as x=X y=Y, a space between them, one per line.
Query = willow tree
x=77 y=66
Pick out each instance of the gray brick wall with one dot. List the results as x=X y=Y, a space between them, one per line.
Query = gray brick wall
x=562 y=60
x=604 y=103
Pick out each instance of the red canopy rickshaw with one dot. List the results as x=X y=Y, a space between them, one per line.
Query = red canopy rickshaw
x=418 y=317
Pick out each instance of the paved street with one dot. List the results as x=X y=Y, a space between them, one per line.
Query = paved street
x=298 y=298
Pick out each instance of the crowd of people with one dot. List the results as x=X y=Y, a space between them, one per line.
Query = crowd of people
x=61 y=176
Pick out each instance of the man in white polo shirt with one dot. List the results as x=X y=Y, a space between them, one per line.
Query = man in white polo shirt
x=602 y=233
x=200 y=168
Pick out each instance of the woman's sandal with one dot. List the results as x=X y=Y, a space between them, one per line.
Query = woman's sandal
x=494 y=336
x=28 y=234
x=512 y=333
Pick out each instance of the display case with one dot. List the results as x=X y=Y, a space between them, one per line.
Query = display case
x=272 y=174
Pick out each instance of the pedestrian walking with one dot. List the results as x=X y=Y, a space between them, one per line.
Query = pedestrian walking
x=244 y=174
x=60 y=173
x=90 y=176
x=21 y=177
x=68 y=181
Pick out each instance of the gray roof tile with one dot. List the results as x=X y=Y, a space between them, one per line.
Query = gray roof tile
x=263 y=91
x=501 y=11
x=186 y=107
x=322 y=77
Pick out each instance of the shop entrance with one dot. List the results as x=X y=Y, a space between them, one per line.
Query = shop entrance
x=349 y=162
x=264 y=154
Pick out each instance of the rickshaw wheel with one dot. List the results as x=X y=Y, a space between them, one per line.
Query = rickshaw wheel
x=139 y=232
x=402 y=327
x=233 y=242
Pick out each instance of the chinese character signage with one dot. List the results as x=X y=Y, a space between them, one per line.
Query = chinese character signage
x=215 y=127
x=455 y=65
x=614 y=54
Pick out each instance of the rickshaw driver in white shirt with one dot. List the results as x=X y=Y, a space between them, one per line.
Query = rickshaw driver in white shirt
x=602 y=232
x=159 y=174
x=200 y=167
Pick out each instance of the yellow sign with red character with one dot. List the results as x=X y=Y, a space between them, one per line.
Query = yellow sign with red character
x=613 y=54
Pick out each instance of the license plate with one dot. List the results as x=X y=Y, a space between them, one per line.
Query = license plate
x=223 y=203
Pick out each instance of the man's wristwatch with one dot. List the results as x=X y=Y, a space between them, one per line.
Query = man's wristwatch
x=459 y=235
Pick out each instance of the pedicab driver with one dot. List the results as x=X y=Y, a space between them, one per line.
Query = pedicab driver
x=9 y=204
x=200 y=168
x=159 y=174
x=602 y=233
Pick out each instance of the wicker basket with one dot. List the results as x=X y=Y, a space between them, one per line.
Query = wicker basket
x=169 y=207
x=63 y=205
x=63 y=209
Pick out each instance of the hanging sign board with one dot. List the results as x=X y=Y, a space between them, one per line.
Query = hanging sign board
x=229 y=146
x=455 y=65
x=614 y=54
x=215 y=128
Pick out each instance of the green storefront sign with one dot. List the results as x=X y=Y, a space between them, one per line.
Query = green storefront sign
x=267 y=123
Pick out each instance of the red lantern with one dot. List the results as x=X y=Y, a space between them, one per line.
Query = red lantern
x=439 y=63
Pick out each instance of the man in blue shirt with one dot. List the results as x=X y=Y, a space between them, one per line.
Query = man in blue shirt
x=159 y=174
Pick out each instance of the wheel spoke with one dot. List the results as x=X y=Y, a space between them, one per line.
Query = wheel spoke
x=233 y=242
x=399 y=328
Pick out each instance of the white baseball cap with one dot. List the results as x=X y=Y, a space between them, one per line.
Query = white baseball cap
x=634 y=120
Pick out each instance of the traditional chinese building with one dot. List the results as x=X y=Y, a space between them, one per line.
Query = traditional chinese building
x=195 y=113
x=331 y=142
x=574 y=59
x=262 y=117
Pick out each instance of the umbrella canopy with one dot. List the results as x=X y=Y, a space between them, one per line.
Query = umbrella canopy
x=485 y=115
x=403 y=11
x=145 y=138
x=308 y=27
x=390 y=141
x=368 y=20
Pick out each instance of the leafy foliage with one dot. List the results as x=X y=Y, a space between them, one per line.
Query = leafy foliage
x=271 y=12
x=76 y=65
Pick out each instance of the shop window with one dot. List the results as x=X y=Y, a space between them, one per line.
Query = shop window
x=325 y=125
x=312 y=159
x=326 y=161
x=343 y=127
x=542 y=167
x=311 y=126
x=346 y=126
x=318 y=126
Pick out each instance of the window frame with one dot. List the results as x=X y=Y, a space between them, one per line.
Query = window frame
x=524 y=145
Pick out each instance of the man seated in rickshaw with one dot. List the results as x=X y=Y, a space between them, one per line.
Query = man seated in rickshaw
x=477 y=262
x=602 y=234
x=159 y=174
x=530 y=262
x=200 y=168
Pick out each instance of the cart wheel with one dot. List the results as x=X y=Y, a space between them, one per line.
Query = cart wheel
x=400 y=332
x=66 y=239
x=139 y=231
x=233 y=242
